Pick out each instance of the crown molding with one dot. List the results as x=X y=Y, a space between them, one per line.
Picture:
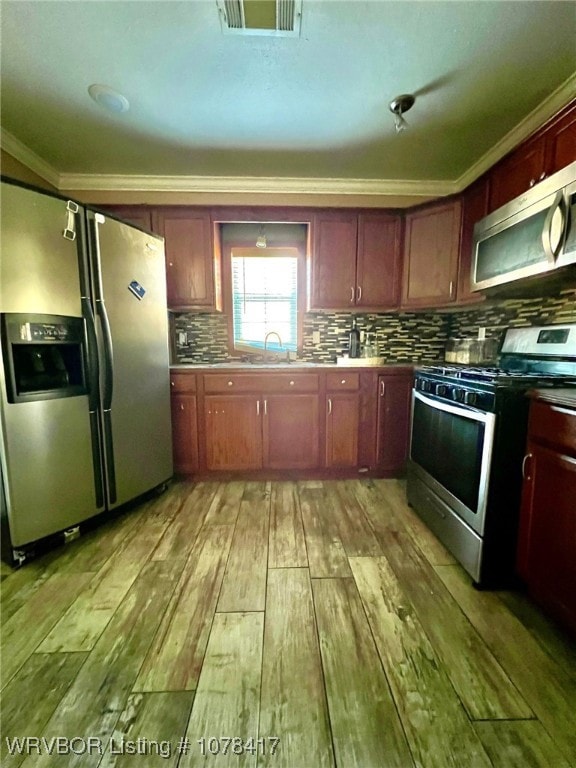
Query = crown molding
x=256 y=185
x=294 y=186
x=27 y=157
x=525 y=128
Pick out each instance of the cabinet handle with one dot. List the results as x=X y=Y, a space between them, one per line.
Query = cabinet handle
x=451 y=287
x=359 y=294
x=542 y=176
x=351 y=294
x=329 y=405
x=532 y=182
x=265 y=408
x=172 y=383
x=182 y=407
x=257 y=407
x=382 y=388
x=524 y=462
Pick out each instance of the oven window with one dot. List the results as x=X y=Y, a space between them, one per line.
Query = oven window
x=449 y=448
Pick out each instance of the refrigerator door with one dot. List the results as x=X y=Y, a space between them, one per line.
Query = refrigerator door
x=129 y=285
x=48 y=465
x=39 y=268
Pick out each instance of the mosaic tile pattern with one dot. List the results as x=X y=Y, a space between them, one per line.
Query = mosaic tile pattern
x=404 y=337
x=514 y=313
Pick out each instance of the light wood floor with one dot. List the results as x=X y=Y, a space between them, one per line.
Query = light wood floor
x=318 y=623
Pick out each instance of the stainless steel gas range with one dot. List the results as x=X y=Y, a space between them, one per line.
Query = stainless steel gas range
x=468 y=437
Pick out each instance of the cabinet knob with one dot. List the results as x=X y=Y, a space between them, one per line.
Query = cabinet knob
x=170 y=264
x=343 y=381
x=171 y=383
x=181 y=406
x=230 y=383
x=291 y=383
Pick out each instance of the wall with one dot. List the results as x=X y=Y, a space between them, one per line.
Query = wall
x=402 y=337
x=17 y=170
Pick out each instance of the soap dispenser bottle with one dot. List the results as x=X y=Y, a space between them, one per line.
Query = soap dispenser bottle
x=354 y=345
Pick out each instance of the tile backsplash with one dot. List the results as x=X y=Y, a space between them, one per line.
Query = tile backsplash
x=402 y=337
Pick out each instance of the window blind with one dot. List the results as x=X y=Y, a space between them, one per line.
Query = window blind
x=264 y=298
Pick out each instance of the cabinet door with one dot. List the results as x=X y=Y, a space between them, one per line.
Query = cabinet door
x=431 y=255
x=233 y=432
x=334 y=261
x=561 y=142
x=517 y=173
x=474 y=208
x=291 y=429
x=548 y=531
x=184 y=433
x=378 y=261
x=342 y=421
x=393 y=422
x=189 y=256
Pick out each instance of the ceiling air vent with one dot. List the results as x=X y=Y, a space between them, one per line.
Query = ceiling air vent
x=277 y=18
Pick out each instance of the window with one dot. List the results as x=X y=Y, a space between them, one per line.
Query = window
x=264 y=298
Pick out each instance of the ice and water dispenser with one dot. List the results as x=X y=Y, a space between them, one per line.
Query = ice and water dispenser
x=44 y=356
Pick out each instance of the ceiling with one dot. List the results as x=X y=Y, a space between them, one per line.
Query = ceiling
x=302 y=111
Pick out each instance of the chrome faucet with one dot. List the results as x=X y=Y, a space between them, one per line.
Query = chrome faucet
x=271 y=333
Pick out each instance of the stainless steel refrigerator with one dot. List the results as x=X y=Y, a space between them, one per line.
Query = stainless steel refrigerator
x=84 y=380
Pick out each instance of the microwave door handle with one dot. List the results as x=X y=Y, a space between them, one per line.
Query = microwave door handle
x=552 y=235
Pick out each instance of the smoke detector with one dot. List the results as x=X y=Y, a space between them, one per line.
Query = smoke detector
x=275 y=18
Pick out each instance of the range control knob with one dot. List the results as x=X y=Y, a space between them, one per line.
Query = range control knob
x=441 y=389
x=470 y=398
x=457 y=394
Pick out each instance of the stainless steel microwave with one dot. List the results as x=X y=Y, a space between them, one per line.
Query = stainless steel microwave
x=531 y=235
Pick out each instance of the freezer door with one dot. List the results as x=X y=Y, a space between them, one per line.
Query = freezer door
x=130 y=300
x=47 y=466
x=39 y=268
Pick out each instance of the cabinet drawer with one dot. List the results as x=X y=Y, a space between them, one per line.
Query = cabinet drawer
x=183 y=382
x=268 y=382
x=342 y=381
x=553 y=424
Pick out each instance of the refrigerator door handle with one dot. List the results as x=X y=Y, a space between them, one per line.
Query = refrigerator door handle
x=108 y=384
x=93 y=378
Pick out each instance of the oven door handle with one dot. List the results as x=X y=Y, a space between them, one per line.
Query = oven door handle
x=456 y=410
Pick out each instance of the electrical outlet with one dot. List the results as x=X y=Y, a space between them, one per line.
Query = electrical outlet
x=316 y=337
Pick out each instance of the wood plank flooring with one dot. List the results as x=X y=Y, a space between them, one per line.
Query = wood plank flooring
x=312 y=624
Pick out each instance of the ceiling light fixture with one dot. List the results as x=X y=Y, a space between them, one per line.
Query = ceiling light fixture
x=398 y=106
x=109 y=99
x=261 y=239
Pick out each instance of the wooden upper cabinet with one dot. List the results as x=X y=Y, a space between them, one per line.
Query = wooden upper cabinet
x=378 y=264
x=561 y=141
x=431 y=247
x=549 y=150
x=474 y=208
x=334 y=260
x=517 y=173
x=190 y=264
x=139 y=215
x=355 y=261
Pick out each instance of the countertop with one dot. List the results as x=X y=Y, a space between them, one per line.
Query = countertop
x=293 y=366
x=563 y=396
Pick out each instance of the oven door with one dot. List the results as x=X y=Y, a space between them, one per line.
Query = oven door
x=451 y=450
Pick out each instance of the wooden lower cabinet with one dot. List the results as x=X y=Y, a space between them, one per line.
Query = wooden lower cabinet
x=547 y=535
x=255 y=432
x=184 y=433
x=342 y=422
x=184 y=407
x=394 y=397
x=291 y=432
x=233 y=432
x=332 y=422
